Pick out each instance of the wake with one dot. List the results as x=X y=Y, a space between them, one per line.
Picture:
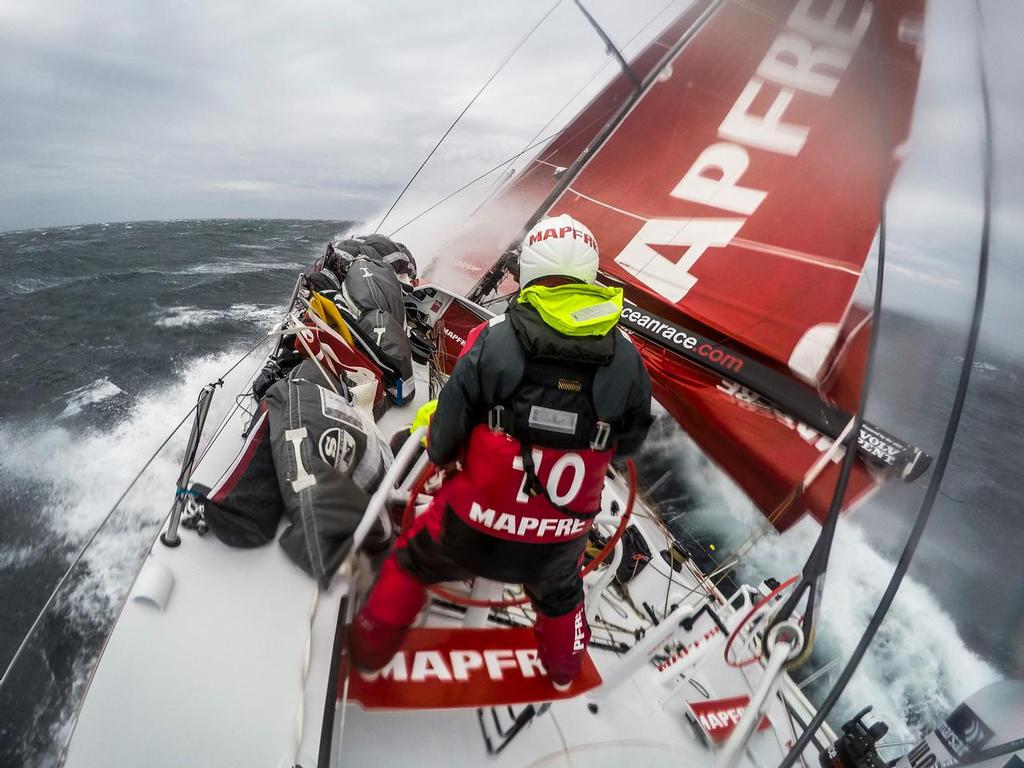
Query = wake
x=918 y=667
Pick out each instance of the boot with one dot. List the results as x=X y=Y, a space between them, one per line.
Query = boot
x=374 y=644
x=562 y=642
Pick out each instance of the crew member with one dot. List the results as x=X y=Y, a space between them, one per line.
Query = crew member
x=540 y=401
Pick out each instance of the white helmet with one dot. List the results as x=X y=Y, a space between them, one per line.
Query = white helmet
x=560 y=246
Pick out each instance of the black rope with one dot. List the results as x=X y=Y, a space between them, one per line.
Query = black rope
x=465 y=109
x=469 y=184
x=947 y=441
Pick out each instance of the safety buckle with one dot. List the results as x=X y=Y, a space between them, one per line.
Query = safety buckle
x=601 y=435
x=496 y=418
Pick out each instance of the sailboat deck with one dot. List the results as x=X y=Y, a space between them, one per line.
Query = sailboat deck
x=235 y=667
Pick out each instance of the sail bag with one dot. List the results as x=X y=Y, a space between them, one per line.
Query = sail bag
x=328 y=458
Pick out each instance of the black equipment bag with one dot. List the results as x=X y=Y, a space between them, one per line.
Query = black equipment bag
x=245 y=507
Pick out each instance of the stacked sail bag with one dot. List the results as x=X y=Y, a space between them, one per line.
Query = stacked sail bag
x=375 y=296
x=329 y=458
x=310 y=458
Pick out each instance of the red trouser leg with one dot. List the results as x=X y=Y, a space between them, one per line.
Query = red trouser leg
x=398 y=595
x=562 y=641
x=381 y=625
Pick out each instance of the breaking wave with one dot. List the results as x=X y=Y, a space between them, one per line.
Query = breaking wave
x=918 y=667
x=187 y=317
x=30 y=285
x=84 y=470
x=81 y=398
x=237 y=267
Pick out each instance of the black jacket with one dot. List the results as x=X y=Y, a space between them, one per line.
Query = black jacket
x=493 y=368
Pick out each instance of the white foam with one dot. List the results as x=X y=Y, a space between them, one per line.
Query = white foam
x=918 y=667
x=86 y=470
x=29 y=285
x=240 y=267
x=188 y=317
x=81 y=398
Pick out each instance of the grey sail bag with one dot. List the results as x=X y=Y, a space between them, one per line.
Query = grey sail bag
x=328 y=460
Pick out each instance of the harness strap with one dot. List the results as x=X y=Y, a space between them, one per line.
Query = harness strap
x=535 y=487
x=598 y=442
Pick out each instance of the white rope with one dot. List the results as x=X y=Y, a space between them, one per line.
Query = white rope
x=350 y=610
x=306 y=657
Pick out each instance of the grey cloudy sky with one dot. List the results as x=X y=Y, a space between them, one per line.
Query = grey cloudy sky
x=116 y=110
x=935 y=207
x=119 y=110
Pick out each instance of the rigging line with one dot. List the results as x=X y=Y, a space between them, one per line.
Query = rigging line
x=624 y=109
x=465 y=109
x=535 y=141
x=596 y=74
x=812 y=576
x=492 y=277
x=952 y=424
x=81 y=554
x=469 y=184
x=88 y=543
x=610 y=46
x=739 y=552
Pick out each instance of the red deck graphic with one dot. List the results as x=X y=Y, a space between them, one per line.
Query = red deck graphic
x=450 y=668
x=719 y=717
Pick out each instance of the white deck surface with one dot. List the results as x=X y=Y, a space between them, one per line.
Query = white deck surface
x=215 y=678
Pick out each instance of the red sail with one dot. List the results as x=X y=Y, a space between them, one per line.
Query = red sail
x=744 y=190
x=464 y=260
x=740 y=197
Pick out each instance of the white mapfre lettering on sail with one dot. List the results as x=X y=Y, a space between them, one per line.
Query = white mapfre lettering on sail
x=807 y=57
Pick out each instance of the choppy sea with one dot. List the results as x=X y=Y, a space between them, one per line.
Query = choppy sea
x=111 y=329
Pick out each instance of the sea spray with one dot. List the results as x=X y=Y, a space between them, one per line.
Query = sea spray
x=87 y=469
x=91 y=394
x=917 y=669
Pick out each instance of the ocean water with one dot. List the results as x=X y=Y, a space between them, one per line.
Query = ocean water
x=957 y=622
x=113 y=328
x=112 y=331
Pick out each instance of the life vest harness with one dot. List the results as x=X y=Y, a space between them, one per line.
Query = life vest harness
x=552 y=407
